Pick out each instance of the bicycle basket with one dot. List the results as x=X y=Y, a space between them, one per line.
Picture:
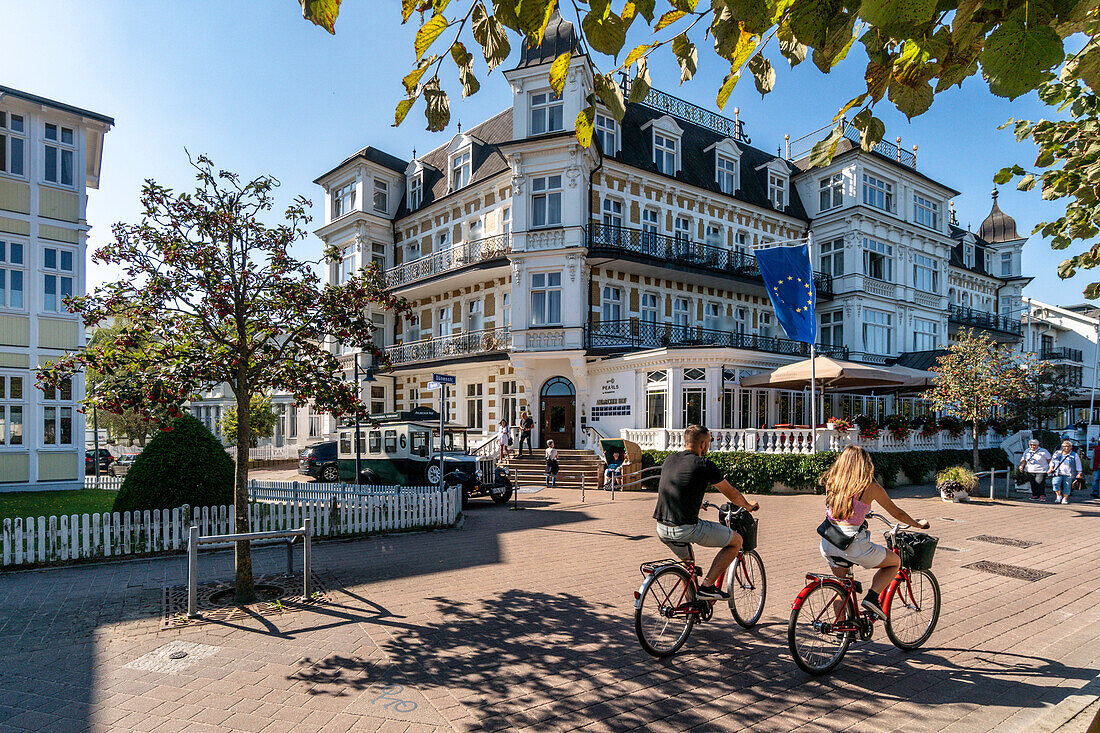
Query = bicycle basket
x=741 y=522
x=916 y=549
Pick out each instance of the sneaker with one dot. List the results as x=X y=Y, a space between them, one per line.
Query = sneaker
x=1042 y=498
x=872 y=605
x=712 y=593
x=1065 y=500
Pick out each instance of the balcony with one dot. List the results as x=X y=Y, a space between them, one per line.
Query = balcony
x=1062 y=353
x=610 y=240
x=472 y=343
x=463 y=255
x=981 y=319
x=627 y=335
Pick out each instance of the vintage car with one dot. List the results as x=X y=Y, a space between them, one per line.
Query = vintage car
x=404 y=449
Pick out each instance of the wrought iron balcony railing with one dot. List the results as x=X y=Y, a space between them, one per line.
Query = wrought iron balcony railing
x=634 y=334
x=981 y=319
x=456 y=345
x=685 y=252
x=1062 y=353
x=452 y=258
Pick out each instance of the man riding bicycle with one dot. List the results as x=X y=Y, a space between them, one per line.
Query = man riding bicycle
x=685 y=477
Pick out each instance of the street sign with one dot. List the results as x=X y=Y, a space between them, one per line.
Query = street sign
x=434 y=385
x=443 y=378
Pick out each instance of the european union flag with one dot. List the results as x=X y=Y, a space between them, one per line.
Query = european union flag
x=789 y=279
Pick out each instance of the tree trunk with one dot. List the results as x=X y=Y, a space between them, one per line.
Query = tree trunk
x=977 y=462
x=245 y=591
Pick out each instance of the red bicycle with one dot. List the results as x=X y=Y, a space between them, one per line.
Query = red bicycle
x=666 y=606
x=826 y=616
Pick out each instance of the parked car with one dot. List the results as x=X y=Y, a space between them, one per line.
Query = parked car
x=122 y=465
x=319 y=461
x=105 y=460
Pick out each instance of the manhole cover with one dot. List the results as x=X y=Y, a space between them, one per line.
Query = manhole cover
x=1008 y=541
x=276 y=594
x=177 y=655
x=1009 y=571
x=173 y=657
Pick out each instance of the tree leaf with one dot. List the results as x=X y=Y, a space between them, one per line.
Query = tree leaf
x=878 y=80
x=727 y=87
x=322 y=13
x=606 y=34
x=754 y=15
x=611 y=96
x=668 y=19
x=437 y=107
x=1027 y=182
x=407 y=8
x=412 y=79
x=811 y=21
x=584 y=125
x=1016 y=57
x=558 y=71
x=403 y=108
x=534 y=15
x=490 y=34
x=636 y=53
x=792 y=50
x=507 y=12
x=899 y=18
x=762 y=73
x=871 y=129
x=644 y=8
x=427 y=34
x=911 y=101
x=823 y=151
x=640 y=86
x=851 y=103
x=686 y=55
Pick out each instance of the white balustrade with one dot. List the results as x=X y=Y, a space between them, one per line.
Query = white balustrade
x=800 y=440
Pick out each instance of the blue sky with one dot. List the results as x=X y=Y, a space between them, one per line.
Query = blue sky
x=251 y=84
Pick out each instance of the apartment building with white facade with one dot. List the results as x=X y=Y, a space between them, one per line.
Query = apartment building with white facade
x=50 y=155
x=613 y=287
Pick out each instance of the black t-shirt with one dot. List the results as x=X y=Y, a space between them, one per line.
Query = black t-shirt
x=685 y=477
x=527 y=424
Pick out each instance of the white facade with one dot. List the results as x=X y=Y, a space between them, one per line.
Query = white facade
x=51 y=156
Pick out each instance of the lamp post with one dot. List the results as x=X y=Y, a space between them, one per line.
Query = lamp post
x=367 y=377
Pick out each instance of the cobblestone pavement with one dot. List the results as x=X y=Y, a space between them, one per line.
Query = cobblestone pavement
x=524 y=620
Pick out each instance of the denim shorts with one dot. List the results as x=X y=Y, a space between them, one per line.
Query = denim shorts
x=862 y=551
x=1063 y=484
x=707 y=534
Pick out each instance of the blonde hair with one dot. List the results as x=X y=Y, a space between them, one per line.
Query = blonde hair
x=851 y=473
x=549 y=444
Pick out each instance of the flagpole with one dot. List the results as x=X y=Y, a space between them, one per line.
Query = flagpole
x=813 y=353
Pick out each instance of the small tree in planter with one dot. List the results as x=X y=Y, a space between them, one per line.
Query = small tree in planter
x=956 y=483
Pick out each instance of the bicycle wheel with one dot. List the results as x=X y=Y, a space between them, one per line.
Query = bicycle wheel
x=816 y=648
x=913 y=610
x=748 y=588
x=664 y=612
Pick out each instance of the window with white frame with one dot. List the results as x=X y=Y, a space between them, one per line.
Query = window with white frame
x=343 y=200
x=546 y=201
x=381 y=196
x=926 y=212
x=347 y=266
x=546 y=299
x=414 y=397
x=378 y=320
x=695 y=406
x=649 y=308
x=741 y=242
x=442 y=240
x=714 y=235
x=474 y=315
x=412 y=331
x=612 y=213
x=878 y=193
x=832 y=257
x=506 y=220
x=612 y=304
x=57 y=417
x=13 y=142
x=777 y=189
x=650 y=226
x=509 y=401
x=832 y=328
x=11 y=274
x=878 y=331
x=474 y=229
x=726 y=174
x=664 y=153
x=681 y=312
x=878 y=260
x=765 y=327
x=712 y=316
x=926 y=274
x=968 y=255
x=13 y=403
x=444 y=325
x=58 y=154
x=547 y=113
x=378 y=255
x=475 y=406
x=925 y=334
x=740 y=320
x=831 y=192
x=1006 y=264
x=377 y=399
x=506 y=310
x=656 y=393
x=416 y=191
x=460 y=169
x=682 y=229
x=57 y=278
x=606 y=133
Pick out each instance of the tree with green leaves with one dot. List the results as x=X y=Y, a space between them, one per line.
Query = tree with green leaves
x=128 y=424
x=261 y=421
x=1049 y=393
x=976 y=376
x=227 y=304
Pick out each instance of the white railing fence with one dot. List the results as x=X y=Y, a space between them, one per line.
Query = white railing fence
x=800 y=440
x=39 y=540
x=268 y=452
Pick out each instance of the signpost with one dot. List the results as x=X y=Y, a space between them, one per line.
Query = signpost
x=441 y=381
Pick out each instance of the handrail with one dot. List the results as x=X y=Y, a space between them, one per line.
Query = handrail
x=635 y=334
x=458 y=344
x=983 y=319
x=452 y=258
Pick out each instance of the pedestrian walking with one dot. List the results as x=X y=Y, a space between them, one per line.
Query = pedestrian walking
x=504 y=438
x=551 y=464
x=1096 y=470
x=1035 y=464
x=1065 y=467
x=526 y=425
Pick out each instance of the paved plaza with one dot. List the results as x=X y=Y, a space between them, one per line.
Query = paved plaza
x=524 y=620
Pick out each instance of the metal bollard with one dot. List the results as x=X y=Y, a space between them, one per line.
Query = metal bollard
x=192 y=571
x=307 y=560
x=582 y=487
x=290 y=556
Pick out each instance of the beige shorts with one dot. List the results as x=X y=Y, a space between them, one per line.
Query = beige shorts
x=862 y=551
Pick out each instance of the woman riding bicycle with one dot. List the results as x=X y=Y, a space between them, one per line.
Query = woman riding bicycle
x=850 y=489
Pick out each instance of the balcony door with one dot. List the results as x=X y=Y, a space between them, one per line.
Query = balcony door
x=557 y=413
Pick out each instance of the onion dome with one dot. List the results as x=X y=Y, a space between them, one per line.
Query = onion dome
x=998 y=226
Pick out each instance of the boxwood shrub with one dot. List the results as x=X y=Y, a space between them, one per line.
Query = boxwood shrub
x=756 y=472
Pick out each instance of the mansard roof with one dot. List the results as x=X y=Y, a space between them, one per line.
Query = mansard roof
x=980 y=250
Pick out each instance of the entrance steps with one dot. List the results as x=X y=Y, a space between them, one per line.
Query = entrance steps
x=572 y=466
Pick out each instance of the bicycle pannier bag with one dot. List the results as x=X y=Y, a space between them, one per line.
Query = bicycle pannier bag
x=915 y=549
x=834 y=536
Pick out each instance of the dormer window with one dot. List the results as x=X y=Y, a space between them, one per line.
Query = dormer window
x=968 y=255
x=460 y=169
x=777 y=189
x=547 y=113
x=726 y=174
x=664 y=153
x=343 y=200
x=416 y=192
x=381 y=196
x=607 y=133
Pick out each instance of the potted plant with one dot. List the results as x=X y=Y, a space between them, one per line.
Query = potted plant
x=951 y=425
x=956 y=483
x=839 y=424
x=898 y=427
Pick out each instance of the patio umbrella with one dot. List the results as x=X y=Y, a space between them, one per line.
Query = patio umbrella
x=832 y=373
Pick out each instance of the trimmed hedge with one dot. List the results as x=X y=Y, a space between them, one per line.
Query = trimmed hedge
x=183 y=465
x=756 y=472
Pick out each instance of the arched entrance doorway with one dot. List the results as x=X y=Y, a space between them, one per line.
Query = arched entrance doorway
x=557 y=412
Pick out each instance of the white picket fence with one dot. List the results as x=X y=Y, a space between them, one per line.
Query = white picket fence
x=268 y=452
x=318 y=491
x=113 y=483
x=44 y=540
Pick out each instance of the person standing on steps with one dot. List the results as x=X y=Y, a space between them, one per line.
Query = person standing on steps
x=504 y=437
x=526 y=425
x=551 y=464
